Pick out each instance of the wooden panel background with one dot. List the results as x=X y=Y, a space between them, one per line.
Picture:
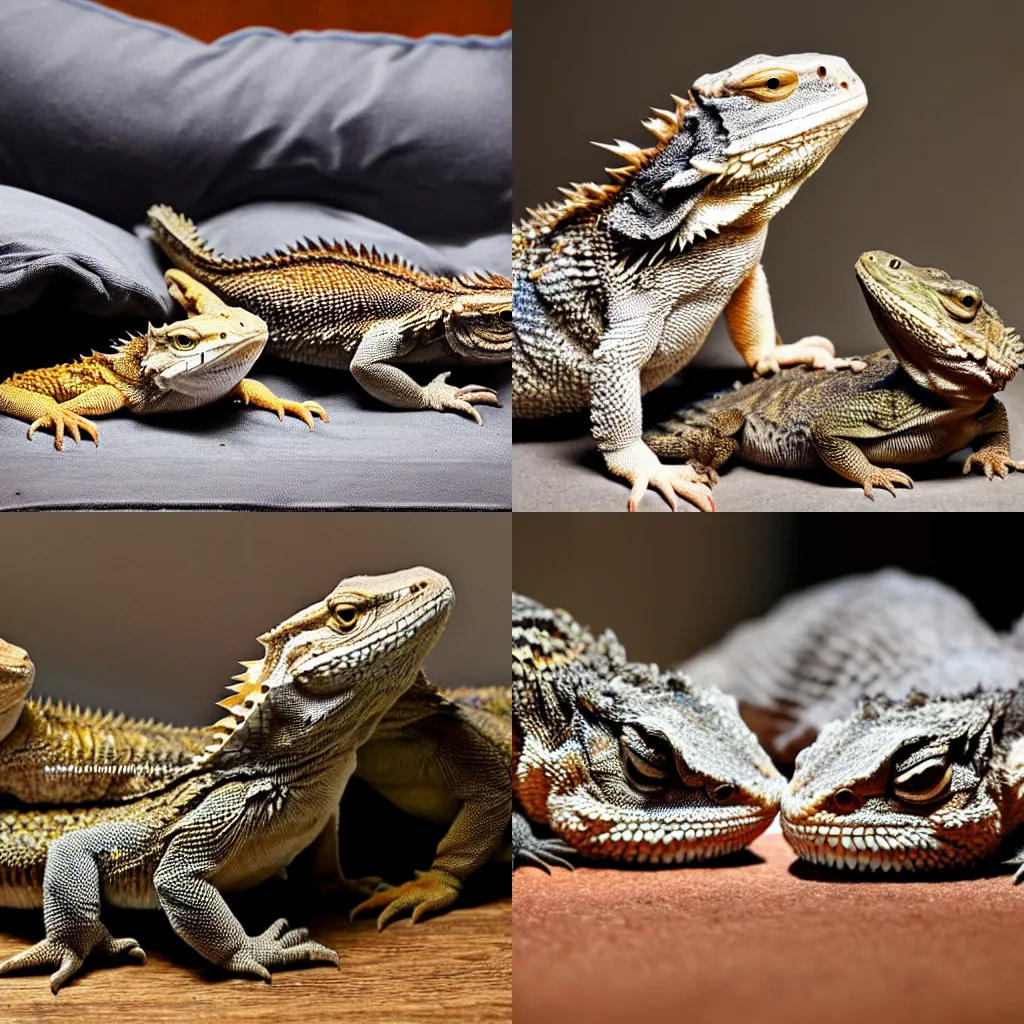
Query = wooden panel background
x=209 y=19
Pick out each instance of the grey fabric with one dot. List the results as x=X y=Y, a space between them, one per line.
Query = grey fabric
x=225 y=456
x=112 y=114
x=50 y=248
x=255 y=229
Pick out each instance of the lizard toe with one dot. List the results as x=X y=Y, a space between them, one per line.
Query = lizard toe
x=428 y=893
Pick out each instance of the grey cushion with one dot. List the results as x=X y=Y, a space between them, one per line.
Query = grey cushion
x=75 y=259
x=112 y=114
x=255 y=229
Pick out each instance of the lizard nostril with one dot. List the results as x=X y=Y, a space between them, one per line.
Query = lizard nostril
x=843 y=799
x=845 y=85
x=822 y=71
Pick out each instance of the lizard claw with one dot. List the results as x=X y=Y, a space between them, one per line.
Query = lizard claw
x=886 y=478
x=66 y=958
x=278 y=946
x=992 y=464
x=642 y=468
x=61 y=421
x=446 y=397
x=428 y=893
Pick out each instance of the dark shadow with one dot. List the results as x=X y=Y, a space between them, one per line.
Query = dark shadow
x=808 y=872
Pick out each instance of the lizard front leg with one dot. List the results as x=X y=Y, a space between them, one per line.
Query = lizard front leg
x=203 y=841
x=467 y=768
x=71 y=902
x=842 y=456
x=259 y=396
x=372 y=367
x=751 y=325
x=44 y=412
x=528 y=848
x=991 y=448
x=616 y=415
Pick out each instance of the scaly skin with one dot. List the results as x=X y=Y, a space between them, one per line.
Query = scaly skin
x=617 y=287
x=904 y=711
x=330 y=304
x=439 y=755
x=264 y=787
x=927 y=398
x=179 y=366
x=622 y=762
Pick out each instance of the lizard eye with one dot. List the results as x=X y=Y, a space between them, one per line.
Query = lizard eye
x=923 y=782
x=647 y=769
x=895 y=264
x=184 y=342
x=506 y=315
x=770 y=84
x=962 y=305
x=344 y=617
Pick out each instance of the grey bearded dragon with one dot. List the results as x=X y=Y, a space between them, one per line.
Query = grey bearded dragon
x=904 y=711
x=928 y=397
x=621 y=762
x=265 y=786
x=617 y=286
x=181 y=365
x=442 y=756
x=330 y=304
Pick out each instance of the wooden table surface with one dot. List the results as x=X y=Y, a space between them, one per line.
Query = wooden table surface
x=456 y=967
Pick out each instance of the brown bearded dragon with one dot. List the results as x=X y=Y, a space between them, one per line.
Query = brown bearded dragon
x=904 y=712
x=928 y=397
x=330 y=304
x=264 y=787
x=617 y=286
x=180 y=366
x=621 y=762
x=442 y=756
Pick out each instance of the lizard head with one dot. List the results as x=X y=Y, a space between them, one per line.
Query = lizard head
x=206 y=355
x=478 y=324
x=902 y=785
x=665 y=772
x=744 y=138
x=943 y=332
x=16 y=676
x=331 y=670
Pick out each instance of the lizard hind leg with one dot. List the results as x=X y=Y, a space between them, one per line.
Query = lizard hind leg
x=704 y=446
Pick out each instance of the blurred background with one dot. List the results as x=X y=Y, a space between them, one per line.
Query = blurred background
x=148 y=614
x=919 y=174
x=672 y=585
x=209 y=19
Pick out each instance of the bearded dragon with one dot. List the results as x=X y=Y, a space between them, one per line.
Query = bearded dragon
x=928 y=397
x=183 y=365
x=905 y=713
x=617 y=286
x=440 y=755
x=264 y=787
x=330 y=304
x=622 y=762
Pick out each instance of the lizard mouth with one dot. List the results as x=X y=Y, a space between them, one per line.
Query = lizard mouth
x=878 y=848
x=673 y=837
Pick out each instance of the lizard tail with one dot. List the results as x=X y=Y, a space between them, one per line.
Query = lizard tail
x=179 y=239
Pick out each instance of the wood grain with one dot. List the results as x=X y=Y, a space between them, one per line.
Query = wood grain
x=456 y=967
x=209 y=19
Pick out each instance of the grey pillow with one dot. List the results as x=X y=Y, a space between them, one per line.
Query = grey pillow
x=255 y=229
x=76 y=259
x=112 y=114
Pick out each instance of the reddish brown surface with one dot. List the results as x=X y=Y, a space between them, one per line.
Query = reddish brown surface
x=209 y=19
x=756 y=941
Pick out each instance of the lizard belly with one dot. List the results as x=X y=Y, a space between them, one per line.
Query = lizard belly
x=304 y=810
x=695 y=288
x=937 y=436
